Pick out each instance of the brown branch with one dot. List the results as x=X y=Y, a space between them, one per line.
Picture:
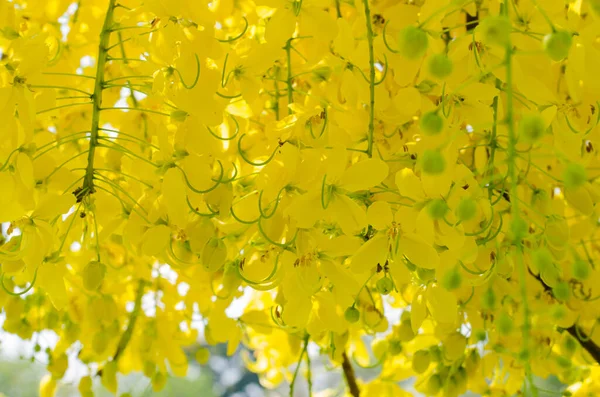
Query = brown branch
x=349 y=376
x=585 y=341
x=580 y=336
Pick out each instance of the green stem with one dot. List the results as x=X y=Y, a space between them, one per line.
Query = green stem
x=371 y=79
x=308 y=373
x=290 y=89
x=135 y=313
x=68 y=105
x=88 y=181
x=61 y=87
x=306 y=338
x=137 y=109
x=515 y=213
x=69 y=74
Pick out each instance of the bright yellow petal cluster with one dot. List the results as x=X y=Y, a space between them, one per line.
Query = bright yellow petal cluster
x=410 y=185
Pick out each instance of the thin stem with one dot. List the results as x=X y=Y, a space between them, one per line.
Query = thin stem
x=67 y=105
x=109 y=182
x=125 y=175
x=73 y=217
x=96 y=235
x=130 y=136
x=126 y=59
x=64 y=163
x=88 y=181
x=126 y=151
x=69 y=74
x=306 y=338
x=371 y=79
x=137 y=109
x=117 y=44
x=123 y=27
x=543 y=12
x=61 y=87
x=308 y=373
x=290 y=88
x=137 y=309
x=128 y=78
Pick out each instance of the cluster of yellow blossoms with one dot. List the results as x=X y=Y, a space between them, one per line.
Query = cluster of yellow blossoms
x=333 y=160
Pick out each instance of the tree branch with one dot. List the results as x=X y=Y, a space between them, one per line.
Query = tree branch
x=349 y=376
x=126 y=337
x=580 y=336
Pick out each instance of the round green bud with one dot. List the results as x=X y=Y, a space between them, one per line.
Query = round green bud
x=412 y=42
x=557 y=45
x=569 y=344
x=431 y=123
x=385 y=285
x=202 y=355
x=148 y=369
x=581 y=270
x=432 y=162
x=420 y=361
x=352 y=314
x=488 y=299
x=518 y=228
x=93 y=275
x=437 y=209
x=524 y=355
x=436 y=353
x=504 y=324
x=574 y=176
x=563 y=362
x=395 y=347
x=179 y=115
x=434 y=384
x=158 y=381
x=532 y=127
x=496 y=31
x=562 y=291
x=559 y=312
x=542 y=259
x=440 y=66
x=452 y=279
x=466 y=209
x=480 y=335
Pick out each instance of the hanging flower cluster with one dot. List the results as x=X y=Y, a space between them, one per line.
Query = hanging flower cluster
x=335 y=161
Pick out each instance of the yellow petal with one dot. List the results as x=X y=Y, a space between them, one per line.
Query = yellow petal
x=418 y=251
x=372 y=253
x=409 y=184
x=441 y=304
x=418 y=311
x=351 y=217
x=173 y=190
x=379 y=215
x=156 y=239
x=364 y=175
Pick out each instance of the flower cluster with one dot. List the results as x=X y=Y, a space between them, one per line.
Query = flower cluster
x=335 y=161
